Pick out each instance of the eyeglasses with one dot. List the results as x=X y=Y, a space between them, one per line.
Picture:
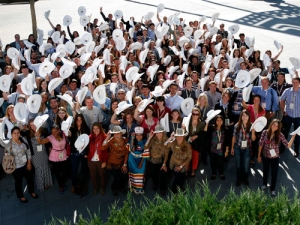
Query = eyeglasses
x=195 y=114
x=121 y=93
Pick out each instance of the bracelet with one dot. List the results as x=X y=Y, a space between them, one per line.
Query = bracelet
x=180 y=167
x=164 y=164
x=124 y=164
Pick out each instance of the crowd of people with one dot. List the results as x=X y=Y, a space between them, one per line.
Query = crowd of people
x=154 y=98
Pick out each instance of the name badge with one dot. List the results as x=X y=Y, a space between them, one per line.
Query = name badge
x=24 y=159
x=279 y=98
x=272 y=153
x=236 y=107
x=96 y=157
x=219 y=146
x=227 y=122
x=61 y=155
x=244 y=144
x=190 y=140
x=40 y=148
x=264 y=105
x=291 y=105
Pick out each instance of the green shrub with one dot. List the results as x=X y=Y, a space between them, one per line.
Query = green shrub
x=201 y=206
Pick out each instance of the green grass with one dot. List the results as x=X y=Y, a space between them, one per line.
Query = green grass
x=202 y=207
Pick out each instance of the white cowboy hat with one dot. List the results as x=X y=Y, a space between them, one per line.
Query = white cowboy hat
x=81 y=142
x=106 y=56
x=288 y=78
x=250 y=41
x=84 y=58
x=149 y=16
x=176 y=20
x=55 y=37
x=101 y=68
x=117 y=34
x=131 y=32
x=84 y=20
x=158 y=34
x=5 y=82
x=89 y=47
x=242 y=79
x=143 y=55
x=27 y=86
x=187 y=106
x=212 y=114
x=66 y=61
x=81 y=50
x=103 y=27
x=218 y=48
x=183 y=40
x=97 y=62
x=13 y=53
x=129 y=95
x=118 y=14
x=160 y=7
x=69 y=47
x=54 y=83
x=136 y=46
x=185 y=68
x=158 y=129
x=81 y=10
x=68 y=99
x=216 y=61
x=90 y=74
x=46 y=68
x=277 y=44
x=131 y=72
x=65 y=125
x=143 y=104
x=67 y=20
x=202 y=19
x=163 y=29
x=34 y=103
x=259 y=124
x=172 y=69
x=77 y=41
x=112 y=87
x=213 y=31
x=20 y=111
x=99 y=94
x=167 y=60
x=165 y=122
x=158 y=91
x=136 y=77
x=215 y=16
x=180 y=79
x=248 y=52
x=167 y=83
x=123 y=63
x=54 y=56
x=66 y=70
x=175 y=50
x=297 y=131
x=1 y=101
x=225 y=73
x=186 y=121
x=232 y=64
x=61 y=50
x=97 y=49
x=40 y=120
x=233 y=29
x=120 y=44
x=152 y=70
x=122 y=106
x=295 y=62
x=197 y=34
x=254 y=73
x=246 y=92
x=117 y=129
x=86 y=38
x=180 y=132
x=81 y=94
x=291 y=70
x=170 y=20
x=188 y=31
x=47 y=14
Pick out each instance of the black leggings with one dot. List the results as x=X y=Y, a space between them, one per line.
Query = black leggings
x=61 y=171
x=18 y=175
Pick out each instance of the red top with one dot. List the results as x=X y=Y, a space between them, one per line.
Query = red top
x=95 y=144
x=253 y=117
x=147 y=128
x=161 y=114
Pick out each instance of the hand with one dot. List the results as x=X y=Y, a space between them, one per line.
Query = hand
x=103 y=165
x=183 y=126
x=29 y=166
x=259 y=159
x=124 y=169
x=226 y=153
x=232 y=151
x=177 y=168
x=108 y=134
x=207 y=121
x=151 y=134
x=164 y=168
x=101 y=9
x=172 y=135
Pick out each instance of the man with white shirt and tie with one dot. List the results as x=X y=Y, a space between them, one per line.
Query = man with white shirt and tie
x=173 y=100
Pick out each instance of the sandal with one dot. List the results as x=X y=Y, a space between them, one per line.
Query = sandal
x=34 y=195
x=213 y=177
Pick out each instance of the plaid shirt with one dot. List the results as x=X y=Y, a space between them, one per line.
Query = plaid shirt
x=268 y=145
x=289 y=96
x=240 y=136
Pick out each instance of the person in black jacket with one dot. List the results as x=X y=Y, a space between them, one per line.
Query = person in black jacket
x=127 y=23
x=109 y=20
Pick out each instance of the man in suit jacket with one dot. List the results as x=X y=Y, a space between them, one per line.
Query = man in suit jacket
x=109 y=20
x=241 y=42
x=16 y=43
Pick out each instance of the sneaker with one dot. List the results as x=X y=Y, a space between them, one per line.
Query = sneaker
x=273 y=194
x=263 y=187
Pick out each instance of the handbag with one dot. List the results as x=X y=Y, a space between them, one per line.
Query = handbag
x=8 y=162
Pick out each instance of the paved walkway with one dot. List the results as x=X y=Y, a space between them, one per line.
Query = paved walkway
x=266 y=20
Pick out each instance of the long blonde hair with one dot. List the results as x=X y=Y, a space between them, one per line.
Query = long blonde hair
x=202 y=95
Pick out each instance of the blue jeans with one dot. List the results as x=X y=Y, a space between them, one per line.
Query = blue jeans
x=287 y=122
x=242 y=160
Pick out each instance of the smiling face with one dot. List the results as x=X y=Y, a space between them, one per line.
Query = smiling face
x=274 y=127
x=15 y=134
x=149 y=113
x=61 y=114
x=139 y=137
x=96 y=130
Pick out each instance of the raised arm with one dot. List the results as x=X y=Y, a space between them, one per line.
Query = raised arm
x=278 y=54
x=53 y=27
x=245 y=106
x=114 y=119
x=137 y=115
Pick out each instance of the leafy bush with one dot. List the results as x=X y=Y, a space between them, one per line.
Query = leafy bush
x=202 y=207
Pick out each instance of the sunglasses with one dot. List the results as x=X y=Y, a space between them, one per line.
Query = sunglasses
x=195 y=114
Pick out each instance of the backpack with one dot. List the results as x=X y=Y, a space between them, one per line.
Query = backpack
x=8 y=162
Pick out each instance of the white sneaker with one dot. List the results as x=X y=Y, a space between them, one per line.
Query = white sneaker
x=263 y=187
x=273 y=194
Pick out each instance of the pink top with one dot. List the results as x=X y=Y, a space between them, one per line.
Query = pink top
x=253 y=117
x=58 y=152
x=148 y=128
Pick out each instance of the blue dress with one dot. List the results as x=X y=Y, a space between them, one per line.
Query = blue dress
x=136 y=174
